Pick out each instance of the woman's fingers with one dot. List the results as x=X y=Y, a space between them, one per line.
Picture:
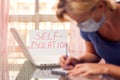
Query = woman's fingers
x=62 y=61
x=85 y=74
x=68 y=60
x=77 y=71
x=81 y=70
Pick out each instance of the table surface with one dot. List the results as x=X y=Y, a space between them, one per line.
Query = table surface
x=31 y=72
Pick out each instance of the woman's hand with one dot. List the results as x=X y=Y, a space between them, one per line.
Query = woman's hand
x=87 y=69
x=68 y=62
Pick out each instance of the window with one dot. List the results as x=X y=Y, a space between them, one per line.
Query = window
x=25 y=15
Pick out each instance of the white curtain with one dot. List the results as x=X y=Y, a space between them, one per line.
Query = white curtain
x=4 y=7
x=76 y=45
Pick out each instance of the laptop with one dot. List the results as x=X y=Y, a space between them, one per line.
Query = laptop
x=38 y=61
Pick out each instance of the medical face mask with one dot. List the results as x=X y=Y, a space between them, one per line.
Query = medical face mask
x=90 y=25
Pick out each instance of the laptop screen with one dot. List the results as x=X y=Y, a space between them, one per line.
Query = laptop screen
x=51 y=50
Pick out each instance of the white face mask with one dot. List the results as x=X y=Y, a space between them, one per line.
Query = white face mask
x=90 y=25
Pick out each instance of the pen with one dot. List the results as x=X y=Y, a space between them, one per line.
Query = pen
x=66 y=66
x=66 y=51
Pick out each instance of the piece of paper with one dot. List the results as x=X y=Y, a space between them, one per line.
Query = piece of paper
x=47 y=46
x=59 y=71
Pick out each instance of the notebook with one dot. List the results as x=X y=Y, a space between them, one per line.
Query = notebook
x=31 y=58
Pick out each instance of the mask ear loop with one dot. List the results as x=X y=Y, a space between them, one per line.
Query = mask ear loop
x=102 y=3
x=100 y=6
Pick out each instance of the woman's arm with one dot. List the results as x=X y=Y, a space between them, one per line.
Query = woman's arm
x=87 y=69
x=90 y=54
x=113 y=71
x=89 y=57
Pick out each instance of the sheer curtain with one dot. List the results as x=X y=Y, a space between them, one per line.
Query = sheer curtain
x=4 y=7
x=76 y=44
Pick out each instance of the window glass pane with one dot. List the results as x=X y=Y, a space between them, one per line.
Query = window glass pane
x=21 y=7
x=23 y=28
x=54 y=26
x=23 y=18
x=47 y=7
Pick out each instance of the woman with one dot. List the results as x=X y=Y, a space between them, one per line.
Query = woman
x=99 y=25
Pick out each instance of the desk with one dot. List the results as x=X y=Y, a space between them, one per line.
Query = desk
x=31 y=72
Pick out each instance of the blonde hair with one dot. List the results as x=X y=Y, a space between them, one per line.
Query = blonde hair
x=111 y=4
x=77 y=7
